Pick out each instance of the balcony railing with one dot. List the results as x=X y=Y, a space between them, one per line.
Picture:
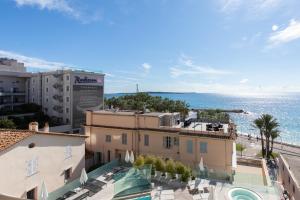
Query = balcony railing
x=9 y=93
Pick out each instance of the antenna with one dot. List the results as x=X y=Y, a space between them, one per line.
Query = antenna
x=137 y=88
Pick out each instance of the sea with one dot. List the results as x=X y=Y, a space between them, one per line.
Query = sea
x=284 y=107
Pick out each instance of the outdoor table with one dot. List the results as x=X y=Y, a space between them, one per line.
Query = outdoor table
x=80 y=195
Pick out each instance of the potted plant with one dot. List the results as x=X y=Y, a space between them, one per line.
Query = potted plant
x=139 y=162
x=179 y=168
x=170 y=168
x=159 y=166
x=186 y=175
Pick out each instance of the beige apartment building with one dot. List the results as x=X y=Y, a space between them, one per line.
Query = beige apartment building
x=289 y=174
x=111 y=133
x=29 y=157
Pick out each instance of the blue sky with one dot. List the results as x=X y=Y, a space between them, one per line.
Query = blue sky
x=226 y=46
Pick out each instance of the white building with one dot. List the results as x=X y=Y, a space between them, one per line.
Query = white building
x=13 y=83
x=66 y=94
x=29 y=158
x=63 y=94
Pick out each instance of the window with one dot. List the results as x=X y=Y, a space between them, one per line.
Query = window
x=68 y=174
x=31 y=145
x=47 y=100
x=146 y=140
x=68 y=78
x=31 y=194
x=294 y=189
x=46 y=89
x=68 y=88
x=68 y=99
x=189 y=145
x=32 y=166
x=167 y=142
x=67 y=120
x=108 y=138
x=67 y=110
x=68 y=152
x=32 y=99
x=176 y=141
x=32 y=89
x=124 y=138
x=47 y=80
x=203 y=147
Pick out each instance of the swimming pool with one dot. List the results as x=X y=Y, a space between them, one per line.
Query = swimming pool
x=243 y=194
x=148 y=197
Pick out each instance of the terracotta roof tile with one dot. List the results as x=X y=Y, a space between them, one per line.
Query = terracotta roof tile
x=11 y=137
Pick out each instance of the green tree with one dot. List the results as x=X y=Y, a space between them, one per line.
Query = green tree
x=274 y=134
x=268 y=127
x=170 y=167
x=7 y=124
x=139 y=162
x=240 y=148
x=259 y=124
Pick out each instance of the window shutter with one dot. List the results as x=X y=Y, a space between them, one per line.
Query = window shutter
x=165 y=142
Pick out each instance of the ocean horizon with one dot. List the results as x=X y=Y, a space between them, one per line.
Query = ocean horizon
x=284 y=107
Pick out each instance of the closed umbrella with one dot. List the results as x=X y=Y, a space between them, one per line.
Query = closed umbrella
x=211 y=193
x=127 y=157
x=44 y=193
x=132 y=157
x=83 y=177
x=201 y=166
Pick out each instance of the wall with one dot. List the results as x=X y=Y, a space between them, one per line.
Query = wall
x=218 y=156
x=50 y=151
x=285 y=174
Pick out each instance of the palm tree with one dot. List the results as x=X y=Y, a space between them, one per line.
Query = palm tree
x=259 y=123
x=274 y=134
x=270 y=125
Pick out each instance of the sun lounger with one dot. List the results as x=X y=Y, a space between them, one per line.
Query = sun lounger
x=167 y=197
x=167 y=192
x=204 y=195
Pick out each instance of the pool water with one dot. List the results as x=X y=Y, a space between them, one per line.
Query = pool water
x=143 y=198
x=243 y=194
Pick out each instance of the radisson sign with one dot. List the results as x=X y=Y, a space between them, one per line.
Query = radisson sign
x=86 y=80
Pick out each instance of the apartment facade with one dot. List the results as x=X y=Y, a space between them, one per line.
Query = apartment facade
x=112 y=133
x=289 y=175
x=63 y=94
x=29 y=158
x=13 y=83
x=66 y=94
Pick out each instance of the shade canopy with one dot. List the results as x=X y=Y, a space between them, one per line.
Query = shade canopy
x=127 y=156
x=83 y=177
x=44 y=193
x=132 y=157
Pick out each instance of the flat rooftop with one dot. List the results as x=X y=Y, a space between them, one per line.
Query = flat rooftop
x=294 y=165
x=130 y=112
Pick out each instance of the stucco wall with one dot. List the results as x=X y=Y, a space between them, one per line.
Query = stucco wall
x=287 y=178
x=50 y=151
x=218 y=156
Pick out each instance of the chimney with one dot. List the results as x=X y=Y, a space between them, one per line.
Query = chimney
x=34 y=126
x=46 y=127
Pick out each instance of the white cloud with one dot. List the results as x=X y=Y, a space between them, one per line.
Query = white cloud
x=187 y=67
x=274 y=27
x=34 y=62
x=290 y=33
x=146 y=67
x=75 y=9
x=249 y=6
x=59 y=5
x=243 y=81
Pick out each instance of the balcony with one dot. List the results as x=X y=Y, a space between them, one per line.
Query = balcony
x=14 y=93
x=58 y=98
x=58 y=109
x=58 y=86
